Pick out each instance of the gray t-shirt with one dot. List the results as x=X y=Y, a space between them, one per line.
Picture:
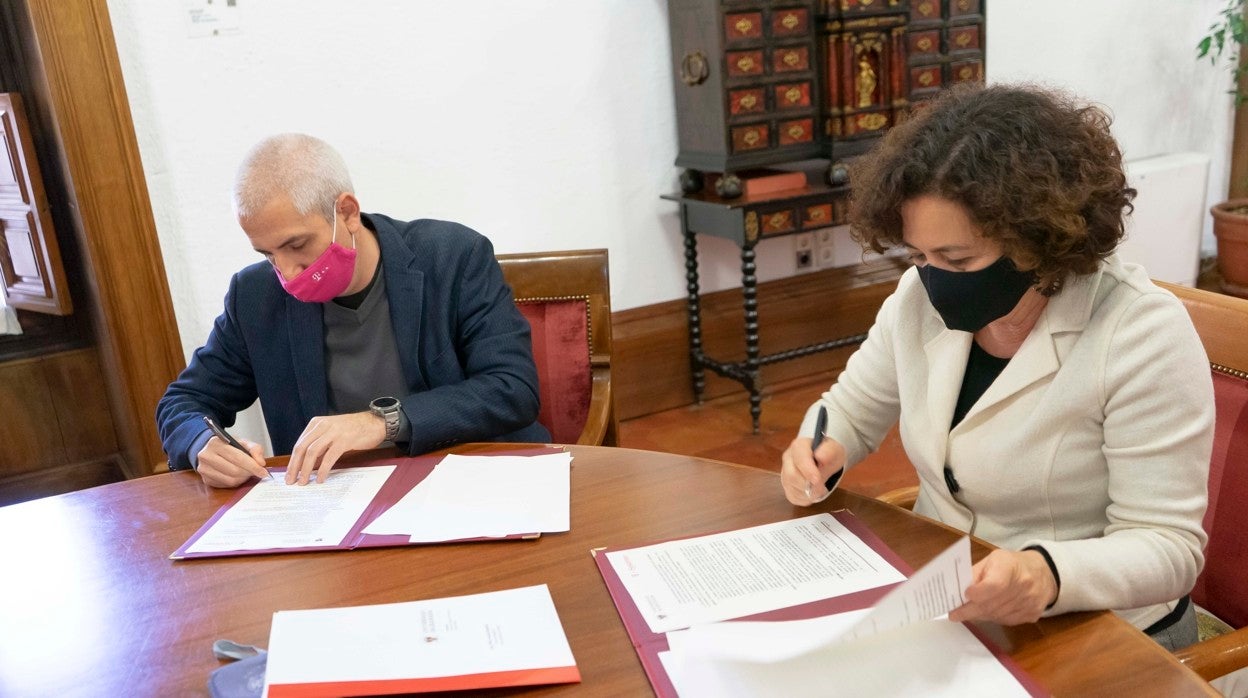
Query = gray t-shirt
x=361 y=355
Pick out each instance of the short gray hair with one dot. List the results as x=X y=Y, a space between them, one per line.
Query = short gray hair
x=307 y=170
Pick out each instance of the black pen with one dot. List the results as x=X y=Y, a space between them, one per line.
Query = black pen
x=225 y=436
x=821 y=425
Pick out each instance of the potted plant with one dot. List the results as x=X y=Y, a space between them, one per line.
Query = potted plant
x=1230 y=218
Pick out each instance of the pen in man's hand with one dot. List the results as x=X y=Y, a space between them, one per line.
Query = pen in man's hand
x=225 y=436
x=821 y=425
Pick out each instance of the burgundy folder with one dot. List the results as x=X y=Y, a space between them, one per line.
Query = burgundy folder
x=408 y=473
x=649 y=644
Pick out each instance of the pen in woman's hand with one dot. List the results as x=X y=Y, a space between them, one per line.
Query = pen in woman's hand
x=225 y=436
x=821 y=425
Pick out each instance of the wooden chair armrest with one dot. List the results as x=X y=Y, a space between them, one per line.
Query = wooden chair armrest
x=598 y=421
x=903 y=497
x=1217 y=656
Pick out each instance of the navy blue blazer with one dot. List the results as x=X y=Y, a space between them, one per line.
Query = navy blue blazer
x=465 y=349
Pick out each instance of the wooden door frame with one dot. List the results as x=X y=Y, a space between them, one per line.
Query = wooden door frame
x=72 y=52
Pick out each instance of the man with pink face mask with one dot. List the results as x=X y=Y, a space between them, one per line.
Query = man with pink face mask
x=358 y=330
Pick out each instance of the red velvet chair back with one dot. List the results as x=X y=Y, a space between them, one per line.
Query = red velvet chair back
x=1222 y=322
x=566 y=297
x=561 y=342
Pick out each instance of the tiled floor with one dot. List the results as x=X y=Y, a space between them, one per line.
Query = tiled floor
x=720 y=429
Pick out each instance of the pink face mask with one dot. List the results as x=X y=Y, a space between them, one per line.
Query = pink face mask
x=327 y=277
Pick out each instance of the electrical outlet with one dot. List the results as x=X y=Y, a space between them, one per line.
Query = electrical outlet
x=804 y=251
x=805 y=259
x=825 y=256
x=825 y=248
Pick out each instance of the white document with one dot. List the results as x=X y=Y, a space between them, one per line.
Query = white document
x=483 y=497
x=927 y=658
x=436 y=644
x=274 y=515
x=739 y=573
x=930 y=593
x=902 y=646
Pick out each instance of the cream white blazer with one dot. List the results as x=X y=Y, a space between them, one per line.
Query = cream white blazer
x=1094 y=441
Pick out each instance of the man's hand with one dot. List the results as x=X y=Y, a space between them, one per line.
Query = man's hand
x=222 y=465
x=1008 y=588
x=803 y=473
x=326 y=439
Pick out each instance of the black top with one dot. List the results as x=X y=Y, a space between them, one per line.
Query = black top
x=982 y=369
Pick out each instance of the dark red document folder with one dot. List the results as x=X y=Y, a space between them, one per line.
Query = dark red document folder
x=408 y=473
x=649 y=644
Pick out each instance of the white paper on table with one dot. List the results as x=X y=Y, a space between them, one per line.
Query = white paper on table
x=739 y=573
x=932 y=592
x=483 y=497
x=927 y=658
x=274 y=515
x=514 y=630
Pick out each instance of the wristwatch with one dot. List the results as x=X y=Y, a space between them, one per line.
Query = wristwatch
x=388 y=409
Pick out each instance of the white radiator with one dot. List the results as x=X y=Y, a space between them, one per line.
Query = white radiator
x=1164 y=233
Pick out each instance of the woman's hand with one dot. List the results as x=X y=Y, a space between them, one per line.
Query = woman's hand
x=1008 y=588
x=803 y=473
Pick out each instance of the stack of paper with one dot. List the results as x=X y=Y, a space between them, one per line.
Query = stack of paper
x=483 y=497
x=503 y=638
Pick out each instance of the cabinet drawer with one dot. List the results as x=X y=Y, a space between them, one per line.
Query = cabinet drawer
x=796 y=131
x=925 y=77
x=788 y=59
x=747 y=101
x=967 y=71
x=964 y=38
x=778 y=222
x=792 y=95
x=924 y=11
x=747 y=138
x=867 y=123
x=790 y=21
x=924 y=43
x=744 y=63
x=742 y=26
x=962 y=8
x=819 y=216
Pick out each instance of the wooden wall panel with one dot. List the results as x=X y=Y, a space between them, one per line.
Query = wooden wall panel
x=29 y=432
x=70 y=52
x=651 y=343
x=80 y=401
x=57 y=432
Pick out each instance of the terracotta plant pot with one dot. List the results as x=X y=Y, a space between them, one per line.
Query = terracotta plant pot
x=1230 y=227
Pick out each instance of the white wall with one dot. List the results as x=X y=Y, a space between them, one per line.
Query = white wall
x=549 y=124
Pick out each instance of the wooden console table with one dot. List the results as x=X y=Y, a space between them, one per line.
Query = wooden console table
x=745 y=220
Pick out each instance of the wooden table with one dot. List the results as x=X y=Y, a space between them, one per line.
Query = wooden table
x=90 y=604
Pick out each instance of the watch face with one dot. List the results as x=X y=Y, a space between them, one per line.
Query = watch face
x=385 y=403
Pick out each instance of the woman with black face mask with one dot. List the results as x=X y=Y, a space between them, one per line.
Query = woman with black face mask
x=1054 y=401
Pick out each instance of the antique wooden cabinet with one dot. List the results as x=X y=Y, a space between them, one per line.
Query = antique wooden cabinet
x=761 y=82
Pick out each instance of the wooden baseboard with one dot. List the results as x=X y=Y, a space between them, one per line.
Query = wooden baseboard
x=651 y=344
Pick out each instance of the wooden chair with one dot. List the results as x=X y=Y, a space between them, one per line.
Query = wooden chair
x=566 y=297
x=1222 y=588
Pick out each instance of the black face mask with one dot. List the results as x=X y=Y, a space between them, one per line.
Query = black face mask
x=968 y=300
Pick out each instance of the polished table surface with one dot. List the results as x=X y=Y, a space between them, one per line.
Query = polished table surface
x=90 y=604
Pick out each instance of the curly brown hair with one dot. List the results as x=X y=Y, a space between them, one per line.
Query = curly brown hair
x=1035 y=169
